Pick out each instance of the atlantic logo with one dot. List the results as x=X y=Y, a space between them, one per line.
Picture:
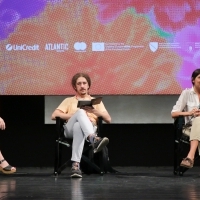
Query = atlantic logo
x=22 y=47
x=59 y=47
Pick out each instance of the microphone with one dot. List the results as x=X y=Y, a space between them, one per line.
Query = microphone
x=189 y=123
x=193 y=115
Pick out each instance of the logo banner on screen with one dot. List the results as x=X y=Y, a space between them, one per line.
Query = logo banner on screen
x=153 y=46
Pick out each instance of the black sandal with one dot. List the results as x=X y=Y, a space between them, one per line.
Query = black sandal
x=8 y=169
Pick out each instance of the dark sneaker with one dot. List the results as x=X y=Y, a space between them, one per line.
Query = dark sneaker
x=100 y=143
x=76 y=172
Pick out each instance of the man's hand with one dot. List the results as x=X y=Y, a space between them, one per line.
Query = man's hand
x=2 y=124
x=62 y=115
x=91 y=110
x=105 y=115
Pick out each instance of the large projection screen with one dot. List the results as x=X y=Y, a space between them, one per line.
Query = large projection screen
x=128 y=47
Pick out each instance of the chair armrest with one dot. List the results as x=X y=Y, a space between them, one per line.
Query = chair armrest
x=59 y=124
x=179 y=122
x=99 y=126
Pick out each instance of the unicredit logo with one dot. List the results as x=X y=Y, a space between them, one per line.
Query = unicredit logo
x=22 y=47
x=80 y=46
x=8 y=47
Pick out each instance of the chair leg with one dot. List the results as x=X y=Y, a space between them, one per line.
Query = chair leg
x=91 y=164
x=176 y=167
x=61 y=168
x=95 y=167
x=57 y=162
x=178 y=156
x=182 y=170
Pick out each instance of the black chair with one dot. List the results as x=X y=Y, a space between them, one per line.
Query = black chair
x=101 y=166
x=181 y=146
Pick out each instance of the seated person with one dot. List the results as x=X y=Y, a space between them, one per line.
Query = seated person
x=188 y=106
x=81 y=123
x=4 y=166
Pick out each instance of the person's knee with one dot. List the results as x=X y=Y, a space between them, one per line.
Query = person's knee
x=196 y=120
x=81 y=112
x=195 y=138
x=77 y=126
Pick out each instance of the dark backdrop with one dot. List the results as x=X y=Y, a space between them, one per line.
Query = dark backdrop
x=28 y=142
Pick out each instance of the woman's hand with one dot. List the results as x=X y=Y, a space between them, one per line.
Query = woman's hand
x=196 y=113
x=2 y=124
x=192 y=112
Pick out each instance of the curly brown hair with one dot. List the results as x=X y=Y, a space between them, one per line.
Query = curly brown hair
x=78 y=75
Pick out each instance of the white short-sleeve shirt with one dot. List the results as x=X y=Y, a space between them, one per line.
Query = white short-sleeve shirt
x=187 y=101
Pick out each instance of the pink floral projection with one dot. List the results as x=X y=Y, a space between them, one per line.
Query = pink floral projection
x=136 y=71
x=170 y=15
x=190 y=52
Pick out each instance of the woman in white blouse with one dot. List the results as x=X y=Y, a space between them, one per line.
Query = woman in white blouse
x=4 y=166
x=188 y=105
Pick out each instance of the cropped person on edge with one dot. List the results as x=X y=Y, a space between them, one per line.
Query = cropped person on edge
x=4 y=166
x=81 y=123
x=188 y=106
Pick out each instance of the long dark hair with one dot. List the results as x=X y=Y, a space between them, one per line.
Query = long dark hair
x=194 y=75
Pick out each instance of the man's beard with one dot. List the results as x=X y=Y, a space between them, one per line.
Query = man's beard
x=83 y=92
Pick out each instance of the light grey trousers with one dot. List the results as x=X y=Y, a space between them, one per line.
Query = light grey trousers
x=78 y=127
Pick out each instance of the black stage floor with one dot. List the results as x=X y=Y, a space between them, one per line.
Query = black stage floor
x=131 y=183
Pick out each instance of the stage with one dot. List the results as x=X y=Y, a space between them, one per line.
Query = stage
x=129 y=183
